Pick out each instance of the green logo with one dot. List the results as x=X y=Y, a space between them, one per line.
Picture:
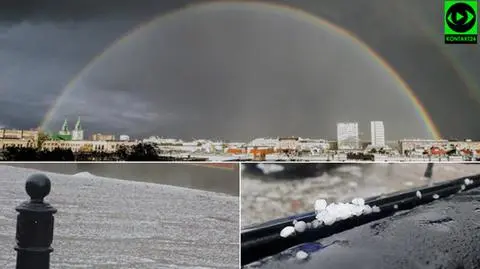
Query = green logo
x=460 y=21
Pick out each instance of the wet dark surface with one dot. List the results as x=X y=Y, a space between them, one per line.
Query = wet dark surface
x=182 y=175
x=443 y=234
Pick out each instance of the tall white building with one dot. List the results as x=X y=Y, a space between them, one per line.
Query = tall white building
x=347 y=135
x=377 y=131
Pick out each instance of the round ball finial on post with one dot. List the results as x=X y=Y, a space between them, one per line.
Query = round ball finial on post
x=38 y=187
x=35 y=223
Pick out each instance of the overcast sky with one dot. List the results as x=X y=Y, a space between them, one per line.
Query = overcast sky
x=233 y=71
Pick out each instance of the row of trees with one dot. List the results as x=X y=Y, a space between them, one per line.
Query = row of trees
x=434 y=151
x=139 y=152
x=379 y=151
x=359 y=156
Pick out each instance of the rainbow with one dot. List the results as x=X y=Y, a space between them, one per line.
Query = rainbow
x=467 y=78
x=282 y=9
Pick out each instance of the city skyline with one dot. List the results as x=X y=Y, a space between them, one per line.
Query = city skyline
x=347 y=132
x=347 y=143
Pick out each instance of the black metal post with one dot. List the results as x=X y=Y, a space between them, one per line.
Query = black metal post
x=35 y=225
x=428 y=174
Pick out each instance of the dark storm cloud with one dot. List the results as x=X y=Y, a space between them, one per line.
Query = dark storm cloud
x=37 y=60
x=252 y=80
x=417 y=55
x=44 y=44
x=80 y=10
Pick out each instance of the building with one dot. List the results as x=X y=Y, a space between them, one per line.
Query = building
x=393 y=144
x=419 y=145
x=17 y=143
x=467 y=144
x=77 y=133
x=264 y=142
x=377 y=131
x=288 y=144
x=103 y=137
x=124 y=138
x=18 y=138
x=19 y=134
x=313 y=145
x=11 y=134
x=347 y=136
x=237 y=148
x=64 y=130
x=162 y=141
x=86 y=146
x=64 y=133
x=332 y=145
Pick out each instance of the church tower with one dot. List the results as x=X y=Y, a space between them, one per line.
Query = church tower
x=64 y=130
x=77 y=133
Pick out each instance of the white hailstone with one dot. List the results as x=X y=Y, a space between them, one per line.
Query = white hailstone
x=320 y=205
x=357 y=211
x=333 y=211
x=395 y=206
x=331 y=208
x=321 y=214
x=419 y=194
x=329 y=220
x=463 y=187
x=436 y=196
x=294 y=221
x=316 y=223
x=344 y=214
x=287 y=231
x=352 y=209
x=330 y=213
x=367 y=209
x=358 y=201
x=468 y=181
x=375 y=209
x=309 y=225
x=301 y=255
x=300 y=226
